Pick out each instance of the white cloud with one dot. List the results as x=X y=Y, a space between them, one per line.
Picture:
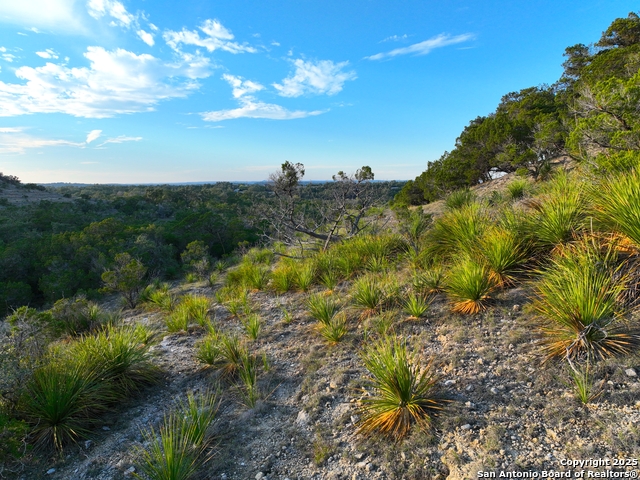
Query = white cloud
x=275 y=44
x=13 y=140
x=252 y=108
x=240 y=86
x=3 y=49
x=11 y=129
x=217 y=37
x=425 y=47
x=322 y=77
x=48 y=53
x=146 y=37
x=114 y=9
x=395 y=38
x=54 y=15
x=92 y=135
x=121 y=139
x=7 y=57
x=116 y=82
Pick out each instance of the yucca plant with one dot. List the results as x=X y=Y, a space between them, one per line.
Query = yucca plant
x=177 y=451
x=459 y=198
x=330 y=279
x=382 y=323
x=577 y=297
x=232 y=352
x=416 y=306
x=377 y=264
x=335 y=329
x=62 y=401
x=208 y=350
x=504 y=253
x=322 y=308
x=213 y=279
x=616 y=201
x=583 y=385
x=120 y=355
x=559 y=215
x=248 y=380
x=430 y=281
x=469 y=285
x=457 y=230
x=283 y=277
x=197 y=308
x=517 y=188
x=249 y=275
x=349 y=262
x=252 y=325
x=404 y=393
x=161 y=299
x=305 y=274
x=368 y=294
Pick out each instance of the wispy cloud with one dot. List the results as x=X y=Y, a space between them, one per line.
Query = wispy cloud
x=252 y=108
x=240 y=86
x=423 y=48
x=50 y=15
x=395 y=38
x=116 y=82
x=120 y=139
x=48 y=53
x=216 y=37
x=321 y=77
x=93 y=135
x=14 y=140
x=120 y=17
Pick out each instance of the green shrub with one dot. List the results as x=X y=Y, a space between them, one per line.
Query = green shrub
x=577 y=297
x=335 y=329
x=322 y=308
x=429 y=282
x=368 y=294
x=248 y=379
x=404 y=392
x=283 y=277
x=249 y=275
x=252 y=325
x=305 y=273
x=517 y=188
x=62 y=401
x=469 y=285
x=73 y=316
x=459 y=199
x=177 y=451
x=416 y=306
x=504 y=253
x=616 y=204
x=457 y=231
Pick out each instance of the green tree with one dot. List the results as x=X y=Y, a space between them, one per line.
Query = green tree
x=127 y=277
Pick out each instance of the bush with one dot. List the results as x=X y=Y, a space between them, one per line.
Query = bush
x=404 y=392
x=335 y=329
x=504 y=253
x=322 y=308
x=305 y=273
x=459 y=199
x=73 y=316
x=577 y=297
x=517 y=188
x=469 y=285
x=616 y=202
x=283 y=277
x=126 y=277
x=176 y=452
x=416 y=306
x=457 y=230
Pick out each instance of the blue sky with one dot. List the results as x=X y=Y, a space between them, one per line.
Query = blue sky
x=134 y=91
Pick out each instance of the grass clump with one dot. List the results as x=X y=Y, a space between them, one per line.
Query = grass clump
x=62 y=401
x=416 y=306
x=283 y=277
x=368 y=294
x=177 y=451
x=459 y=199
x=335 y=329
x=304 y=276
x=322 y=308
x=222 y=352
x=252 y=325
x=457 y=230
x=517 y=188
x=577 y=297
x=504 y=252
x=616 y=202
x=191 y=309
x=469 y=285
x=429 y=281
x=404 y=392
x=249 y=275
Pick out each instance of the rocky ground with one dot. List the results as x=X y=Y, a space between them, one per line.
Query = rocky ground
x=508 y=411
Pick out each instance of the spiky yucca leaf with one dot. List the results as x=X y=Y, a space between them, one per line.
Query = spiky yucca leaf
x=577 y=297
x=504 y=253
x=334 y=330
x=457 y=230
x=304 y=276
x=416 y=306
x=469 y=285
x=322 y=308
x=404 y=393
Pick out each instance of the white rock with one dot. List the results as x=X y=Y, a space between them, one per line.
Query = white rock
x=302 y=418
x=50 y=471
x=631 y=372
x=466 y=426
x=259 y=475
x=448 y=383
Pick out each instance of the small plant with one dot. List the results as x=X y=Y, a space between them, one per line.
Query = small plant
x=253 y=325
x=383 y=323
x=177 y=321
x=583 y=387
x=330 y=279
x=504 y=254
x=429 y=282
x=334 y=330
x=322 y=308
x=469 y=285
x=404 y=393
x=416 y=306
x=459 y=199
x=249 y=275
x=577 y=296
x=305 y=275
x=176 y=452
x=213 y=279
x=368 y=295
x=197 y=308
x=283 y=277
x=457 y=231
x=191 y=277
x=377 y=264
x=248 y=377
x=517 y=188
x=162 y=299
x=62 y=401
x=287 y=318
x=208 y=350
x=232 y=354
